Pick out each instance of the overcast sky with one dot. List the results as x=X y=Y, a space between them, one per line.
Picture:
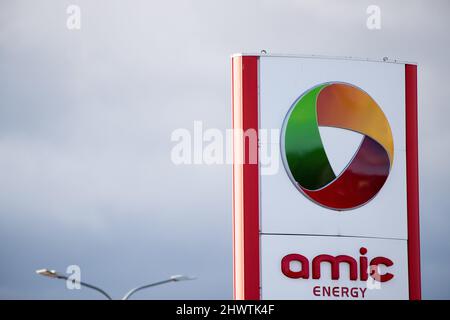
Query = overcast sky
x=86 y=117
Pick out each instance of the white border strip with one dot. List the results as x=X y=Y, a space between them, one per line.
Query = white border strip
x=313 y=56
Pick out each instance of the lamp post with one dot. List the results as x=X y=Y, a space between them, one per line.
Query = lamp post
x=171 y=279
x=55 y=275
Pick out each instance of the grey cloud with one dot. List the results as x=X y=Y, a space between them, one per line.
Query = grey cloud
x=86 y=117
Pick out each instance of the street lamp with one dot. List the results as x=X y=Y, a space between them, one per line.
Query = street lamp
x=175 y=278
x=55 y=275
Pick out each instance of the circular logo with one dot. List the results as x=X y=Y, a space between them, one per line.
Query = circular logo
x=344 y=106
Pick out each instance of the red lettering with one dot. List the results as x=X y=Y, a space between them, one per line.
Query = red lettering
x=316 y=291
x=334 y=262
x=363 y=291
x=336 y=291
x=286 y=266
x=363 y=265
x=381 y=261
x=339 y=292
x=345 y=291
x=354 y=292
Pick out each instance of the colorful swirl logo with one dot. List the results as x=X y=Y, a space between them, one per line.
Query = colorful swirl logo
x=344 y=106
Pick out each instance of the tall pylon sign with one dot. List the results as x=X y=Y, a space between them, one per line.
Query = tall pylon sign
x=337 y=214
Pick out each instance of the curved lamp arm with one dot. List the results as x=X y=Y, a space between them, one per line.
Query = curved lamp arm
x=55 y=275
x=171 y=279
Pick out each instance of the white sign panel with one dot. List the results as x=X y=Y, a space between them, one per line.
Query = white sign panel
x=298 y=285
x=282 y=81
